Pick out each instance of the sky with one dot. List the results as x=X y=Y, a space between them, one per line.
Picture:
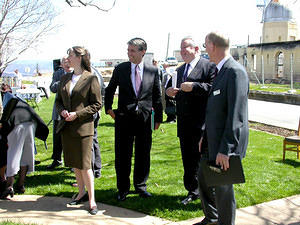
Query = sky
x=105 y=34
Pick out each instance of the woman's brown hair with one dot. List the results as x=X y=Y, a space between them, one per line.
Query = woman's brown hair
x=85 y=56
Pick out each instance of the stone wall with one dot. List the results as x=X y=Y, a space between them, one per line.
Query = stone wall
x=293 y=99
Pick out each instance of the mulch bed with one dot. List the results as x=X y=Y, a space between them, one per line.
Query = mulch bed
x=272 y=129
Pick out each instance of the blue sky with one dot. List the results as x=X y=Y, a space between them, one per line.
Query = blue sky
x=105 y=34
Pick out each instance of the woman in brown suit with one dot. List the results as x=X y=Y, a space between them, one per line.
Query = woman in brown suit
x=78 y=98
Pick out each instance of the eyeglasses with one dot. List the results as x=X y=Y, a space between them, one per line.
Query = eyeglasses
x=204 y=45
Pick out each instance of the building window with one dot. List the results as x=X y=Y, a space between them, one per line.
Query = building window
x=279 y=64
x=268 y=59
x=292 y=38
x=279 y=38
x=254 y=62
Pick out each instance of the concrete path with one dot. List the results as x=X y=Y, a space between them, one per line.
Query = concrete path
x=53 y=210
x=276 y=114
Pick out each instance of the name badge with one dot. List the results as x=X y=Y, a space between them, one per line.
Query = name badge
x=216 y=92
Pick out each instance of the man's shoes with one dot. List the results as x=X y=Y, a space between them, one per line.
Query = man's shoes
x=54 y=164
x=144 y=194
x=122 y=196
x=205 y=221
x=19 y=189
x=37 y=162
x=171 y=120
x=189 y=199
x=97 y=174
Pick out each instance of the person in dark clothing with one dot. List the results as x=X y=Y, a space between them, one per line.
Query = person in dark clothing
x=21 y=124
x=194 y=79
x=57 y=146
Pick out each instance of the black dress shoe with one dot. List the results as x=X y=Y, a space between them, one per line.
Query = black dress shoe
x=145 y=194
x=93 y=211
x=205 y=221
x=84 y=198
x=122 y=196
x=189 y=199
x=20 y=189
x=97 y=174
x=8 y=191
x=54 y=164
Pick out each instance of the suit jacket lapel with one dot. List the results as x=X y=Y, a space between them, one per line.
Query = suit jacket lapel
x=128 y=77
x=144 y=80
x=219 y=75
x=80 y=82
x=180 y=72
x=195 y=71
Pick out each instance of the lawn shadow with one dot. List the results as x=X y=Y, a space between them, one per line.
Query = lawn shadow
x=44 y=168
x=291 y=162
x=150 y=205
x=47 y=179
x=106 y=124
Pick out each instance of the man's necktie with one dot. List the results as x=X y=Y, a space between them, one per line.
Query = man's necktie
x=137 y=79
x=186 y=72
x=216 y=73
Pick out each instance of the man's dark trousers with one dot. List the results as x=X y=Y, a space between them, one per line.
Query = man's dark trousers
x=190 y=158
x=131 y=128
x=57 y=145
x=222 y=210
x=96 y=156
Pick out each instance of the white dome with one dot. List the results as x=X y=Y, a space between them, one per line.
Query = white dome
x=277 y=12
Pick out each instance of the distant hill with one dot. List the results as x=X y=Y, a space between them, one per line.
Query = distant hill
x=28 y=67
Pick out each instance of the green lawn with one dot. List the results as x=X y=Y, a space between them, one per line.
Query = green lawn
x=267 y=177
x=281 y=88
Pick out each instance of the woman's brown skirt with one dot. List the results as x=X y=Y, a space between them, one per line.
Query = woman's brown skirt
x=77 y=151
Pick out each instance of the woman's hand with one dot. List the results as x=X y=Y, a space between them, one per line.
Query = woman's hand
x=64 y=113
x=72 y=116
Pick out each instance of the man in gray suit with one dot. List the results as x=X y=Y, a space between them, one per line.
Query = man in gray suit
x=226 y=128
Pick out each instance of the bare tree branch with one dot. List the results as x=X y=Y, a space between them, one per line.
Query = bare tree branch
x=23 y=24
x=90 y=3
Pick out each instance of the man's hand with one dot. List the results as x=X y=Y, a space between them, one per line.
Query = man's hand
x=186 y=86
x=156 y=126
x=223 y=161
x=72 y=116
x=111 y=113
x=171 y=92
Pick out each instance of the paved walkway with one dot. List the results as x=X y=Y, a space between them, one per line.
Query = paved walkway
x=276 y=114
x=53 y=210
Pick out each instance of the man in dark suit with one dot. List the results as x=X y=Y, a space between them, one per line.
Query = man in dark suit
x=194 y=80
x=139 y=93
x=226 y=128
x=96 y=159
x=57 y=146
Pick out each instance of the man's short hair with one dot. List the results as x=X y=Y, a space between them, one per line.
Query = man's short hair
x=139 y=42
x=218 y=39
x=63 y=59
x=192 y=41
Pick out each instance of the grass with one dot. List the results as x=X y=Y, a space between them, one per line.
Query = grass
x=267 y=177
x=15 y=223
x=281 y=88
